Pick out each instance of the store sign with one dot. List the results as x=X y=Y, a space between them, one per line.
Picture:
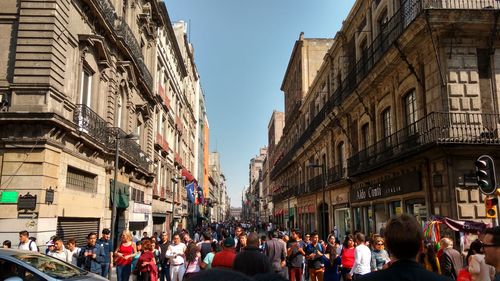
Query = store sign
x=396 y=186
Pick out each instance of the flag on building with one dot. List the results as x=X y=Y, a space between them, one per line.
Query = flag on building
x=199 y=198
x=190 y=192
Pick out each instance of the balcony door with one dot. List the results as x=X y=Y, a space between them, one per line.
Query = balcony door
x=85 y=100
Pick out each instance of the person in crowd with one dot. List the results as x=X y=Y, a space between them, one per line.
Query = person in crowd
x=91 y=255
x=403 y=238
x=242 y=242
x=379 y=255
x=262 y=245
x=108 y=249
x=491 y=249
x=237 y=232
x=135 y=237
x=250 y=260
x=73 y=250
x=7 y=244
x=295 y=254
x=451 y=261
x=175 y=253
x=135 y=259
x=50 y=246
x=205 y=246
x=156 y=253
x=146 y=267
x=59 y=251
x=25 y=243
x=144 y=235
x=186 y=238
x=163 y=261
x=428 y=258
x=331 y=260
x=123 y=254
x=225 y=258
x=478 y=269
x=314 y=254
x=209 y=257
x=362 y=257
x=193 y=260
x=307 y=238
x=276 y=253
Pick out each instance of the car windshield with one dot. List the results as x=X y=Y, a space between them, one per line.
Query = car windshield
x=51 y=266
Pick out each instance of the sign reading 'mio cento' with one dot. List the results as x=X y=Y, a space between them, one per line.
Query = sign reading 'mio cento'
x=396 y=186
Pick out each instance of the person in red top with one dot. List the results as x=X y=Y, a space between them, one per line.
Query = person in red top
x=347 y=257
x=124 y=253
x=225 y=258
x=146 y=265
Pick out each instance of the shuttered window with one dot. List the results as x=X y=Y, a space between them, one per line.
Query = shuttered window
x=81 y=180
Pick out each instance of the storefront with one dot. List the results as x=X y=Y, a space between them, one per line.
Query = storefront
x=341 y=211
x=374 y=203
x=307 y=214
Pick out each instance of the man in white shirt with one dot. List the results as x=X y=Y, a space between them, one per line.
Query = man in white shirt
x=59 y=251
x=362 y=258
x=74 y=251
x=175 y=253
x=25 y=243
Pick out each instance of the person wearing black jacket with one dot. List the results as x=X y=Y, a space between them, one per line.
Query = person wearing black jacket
x=251 y=261
x=164 y=262
x=403 y=238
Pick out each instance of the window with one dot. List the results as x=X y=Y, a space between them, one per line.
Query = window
x=81 y=180
x=137 y=195
x=86 y=88
x=410 y=111
x=386 y=126
x=119 y=109
x=365 y=136
x=341 y=157
x=138 y=132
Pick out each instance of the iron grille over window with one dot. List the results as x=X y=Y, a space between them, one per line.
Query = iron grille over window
x=81 y=180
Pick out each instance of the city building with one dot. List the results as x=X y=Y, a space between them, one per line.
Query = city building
x=393 y=118
x=98 y=102
x=254 y=196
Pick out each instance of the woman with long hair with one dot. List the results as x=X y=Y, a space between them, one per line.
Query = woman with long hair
x=193 y=259
x=146 y=265
x=429 y=260
x=347 y=257
x=123 y=254
x=331 y=260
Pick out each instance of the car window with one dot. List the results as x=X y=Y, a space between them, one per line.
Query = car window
x=13 y=272
x=50 y=266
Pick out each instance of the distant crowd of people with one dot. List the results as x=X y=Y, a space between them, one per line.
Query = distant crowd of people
x=233 y=251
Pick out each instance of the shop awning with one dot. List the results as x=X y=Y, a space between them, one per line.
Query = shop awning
x=187 y=174
x=121 y=193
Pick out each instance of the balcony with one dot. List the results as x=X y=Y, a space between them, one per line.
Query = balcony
x=90 y=123
x=165 y=101
x=125 y=33
x=336 y=173
x=393 y=29
x=435 y=128
x=316 y=183
x=129 y=148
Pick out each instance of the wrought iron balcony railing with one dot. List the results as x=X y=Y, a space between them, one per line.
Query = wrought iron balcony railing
x=435 y=128
x=89 y=122
x=336 y=173
x=129 y=147
x=123 y=30
x=397 y=24
x=316 y=183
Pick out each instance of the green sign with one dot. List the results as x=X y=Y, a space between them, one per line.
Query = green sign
x=9 y=197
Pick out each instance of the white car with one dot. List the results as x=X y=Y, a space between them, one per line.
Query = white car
x=25 y=265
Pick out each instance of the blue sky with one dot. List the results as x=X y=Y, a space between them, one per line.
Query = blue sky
x=242 y=49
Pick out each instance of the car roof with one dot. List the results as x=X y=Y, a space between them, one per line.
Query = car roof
x=12 y=252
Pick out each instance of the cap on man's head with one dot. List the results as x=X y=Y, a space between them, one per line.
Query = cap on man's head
x=50 y=243
x=228 y=242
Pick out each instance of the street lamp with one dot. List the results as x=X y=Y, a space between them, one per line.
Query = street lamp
x=131 y=136
x=174 y=179
x=325 y=179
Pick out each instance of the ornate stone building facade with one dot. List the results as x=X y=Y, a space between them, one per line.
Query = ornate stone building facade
x=404 y=101
x=79 y=78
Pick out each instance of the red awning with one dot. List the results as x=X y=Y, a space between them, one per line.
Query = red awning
x=187 y=174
